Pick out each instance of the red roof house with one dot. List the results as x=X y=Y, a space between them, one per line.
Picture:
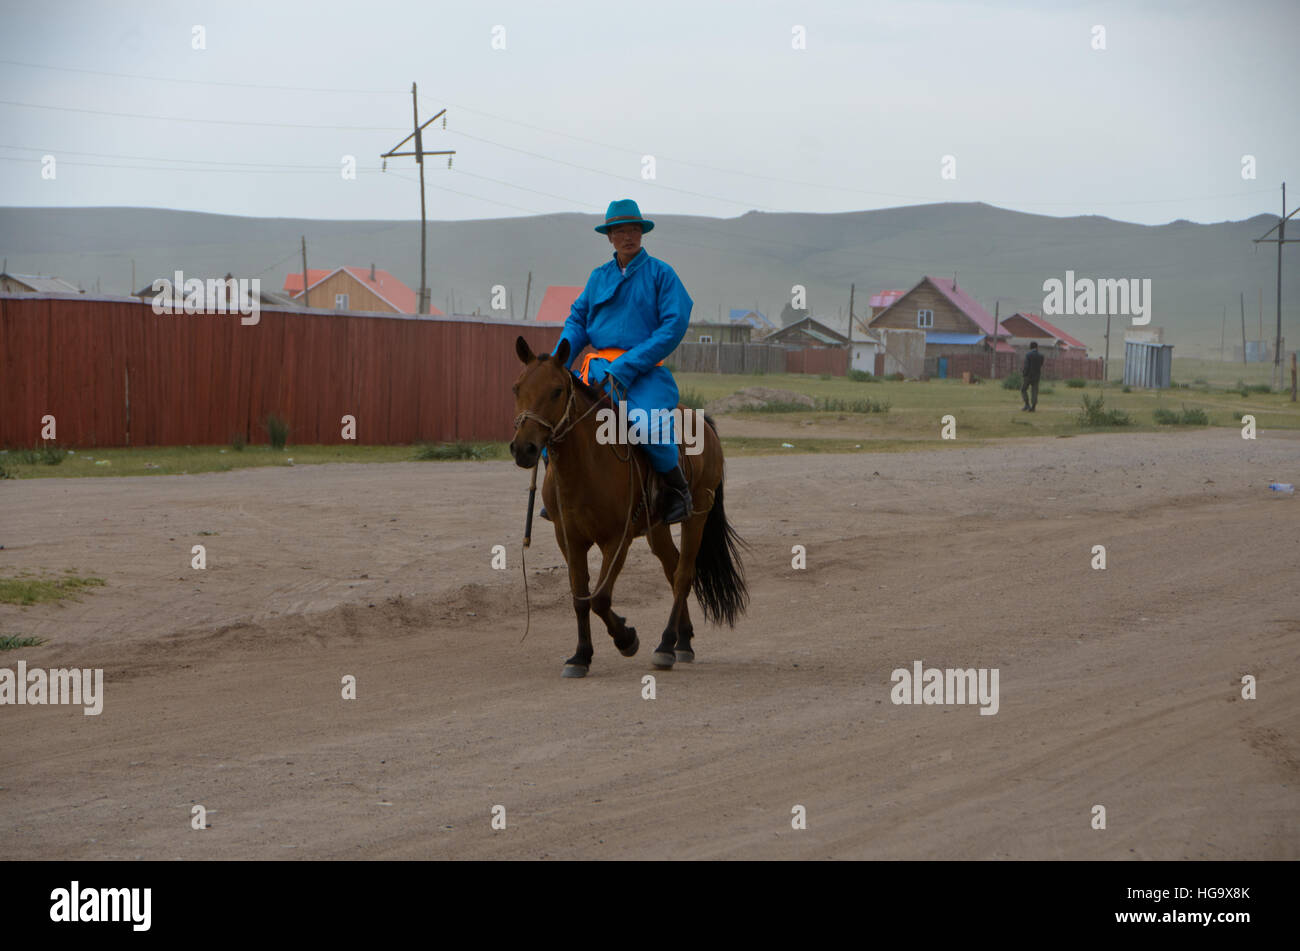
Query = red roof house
x=556 y=303
x=1024 y=327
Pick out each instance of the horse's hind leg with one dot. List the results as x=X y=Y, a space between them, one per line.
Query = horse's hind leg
x=575 y=552
x=624 y=636
x=661 y=543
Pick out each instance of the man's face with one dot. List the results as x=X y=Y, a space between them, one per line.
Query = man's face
x=626 y=240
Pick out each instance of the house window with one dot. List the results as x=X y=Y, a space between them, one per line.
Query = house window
x=340 y=301
x=925 y=318
x=706 y=338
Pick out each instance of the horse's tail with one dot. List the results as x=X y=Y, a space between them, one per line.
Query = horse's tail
x=719 y=575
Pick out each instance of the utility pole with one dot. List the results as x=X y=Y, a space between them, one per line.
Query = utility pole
x=304 y=272
x=420 y=153
x=1280 y=240
x=1243 y=329
x=1105 y=365
x=851 y=289
x=1223 y=329
x=528 y=290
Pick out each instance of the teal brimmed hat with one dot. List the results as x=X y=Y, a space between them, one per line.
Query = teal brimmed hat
x=624 y=212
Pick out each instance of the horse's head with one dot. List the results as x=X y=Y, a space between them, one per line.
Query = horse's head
x=543 y=391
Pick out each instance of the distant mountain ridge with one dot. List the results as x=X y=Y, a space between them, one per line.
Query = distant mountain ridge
x=1000 y=257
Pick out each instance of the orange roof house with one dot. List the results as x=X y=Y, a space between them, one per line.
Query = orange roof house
x=355 y=288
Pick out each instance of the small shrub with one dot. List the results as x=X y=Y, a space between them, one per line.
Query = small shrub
x=1127 y=388
x=278 y=429
x=691 y=398
x=900 y=377
x=40 y=456
x=1047 y=391
x=860 y=376
x=823 y=376
x=1095 y=413
x=10 y=642
x=1013 y=382
x=1076 y=384
x=7 y=473
x=238 y=442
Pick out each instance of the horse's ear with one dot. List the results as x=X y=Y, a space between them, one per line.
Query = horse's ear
x=523 y=350
x=561 y=354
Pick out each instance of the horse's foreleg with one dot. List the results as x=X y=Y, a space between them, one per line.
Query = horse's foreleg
x=661 y=543
x=625 y=639
x=692 y=532
x=575 y=552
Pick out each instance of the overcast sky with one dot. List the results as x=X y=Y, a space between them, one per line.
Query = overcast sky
x=1150 y=129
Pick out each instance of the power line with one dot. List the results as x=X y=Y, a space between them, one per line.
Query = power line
x=160 y=158
x=154 y=118
x=201 y=82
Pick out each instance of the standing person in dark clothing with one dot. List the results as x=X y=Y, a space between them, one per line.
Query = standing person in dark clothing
x=1032 y=370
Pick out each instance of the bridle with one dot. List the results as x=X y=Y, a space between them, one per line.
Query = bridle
x=558 y=430
x=555 y=435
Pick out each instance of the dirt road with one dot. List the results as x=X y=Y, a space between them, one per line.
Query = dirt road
x=1119 y=687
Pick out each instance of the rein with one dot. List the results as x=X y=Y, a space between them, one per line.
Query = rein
x=557 y=432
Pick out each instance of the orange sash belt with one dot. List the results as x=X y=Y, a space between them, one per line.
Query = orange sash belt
x=609 y=353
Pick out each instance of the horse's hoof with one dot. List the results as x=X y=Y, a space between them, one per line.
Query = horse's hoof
x=663 y=659
x=631 y=651
x=575 y=670
x=685 y=656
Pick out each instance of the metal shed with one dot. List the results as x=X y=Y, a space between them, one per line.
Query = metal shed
x=1148 y=365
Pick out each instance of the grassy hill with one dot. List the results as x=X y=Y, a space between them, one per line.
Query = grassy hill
x=749 y=261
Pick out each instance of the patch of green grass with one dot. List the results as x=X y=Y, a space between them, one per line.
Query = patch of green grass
x=456 y=450
x=823 y=404
x=1188 y=417
x=38 y=590
x=1076 y=384
x=9 y=642
x=862 y=376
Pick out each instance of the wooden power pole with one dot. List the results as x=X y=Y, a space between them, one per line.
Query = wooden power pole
x=304 y=271
x=420 y=153
x=1280 y=240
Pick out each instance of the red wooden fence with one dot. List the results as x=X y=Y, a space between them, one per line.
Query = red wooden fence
x=832 y=360
x=203 y=380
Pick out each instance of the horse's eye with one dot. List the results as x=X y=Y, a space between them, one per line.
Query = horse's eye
x=556 y=394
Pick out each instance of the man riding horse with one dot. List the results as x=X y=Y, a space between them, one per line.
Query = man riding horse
x=634 y=311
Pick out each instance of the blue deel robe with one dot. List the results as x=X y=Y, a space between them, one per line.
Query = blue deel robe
x=644 y=312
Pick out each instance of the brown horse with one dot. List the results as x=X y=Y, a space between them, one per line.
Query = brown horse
x=606 y=495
